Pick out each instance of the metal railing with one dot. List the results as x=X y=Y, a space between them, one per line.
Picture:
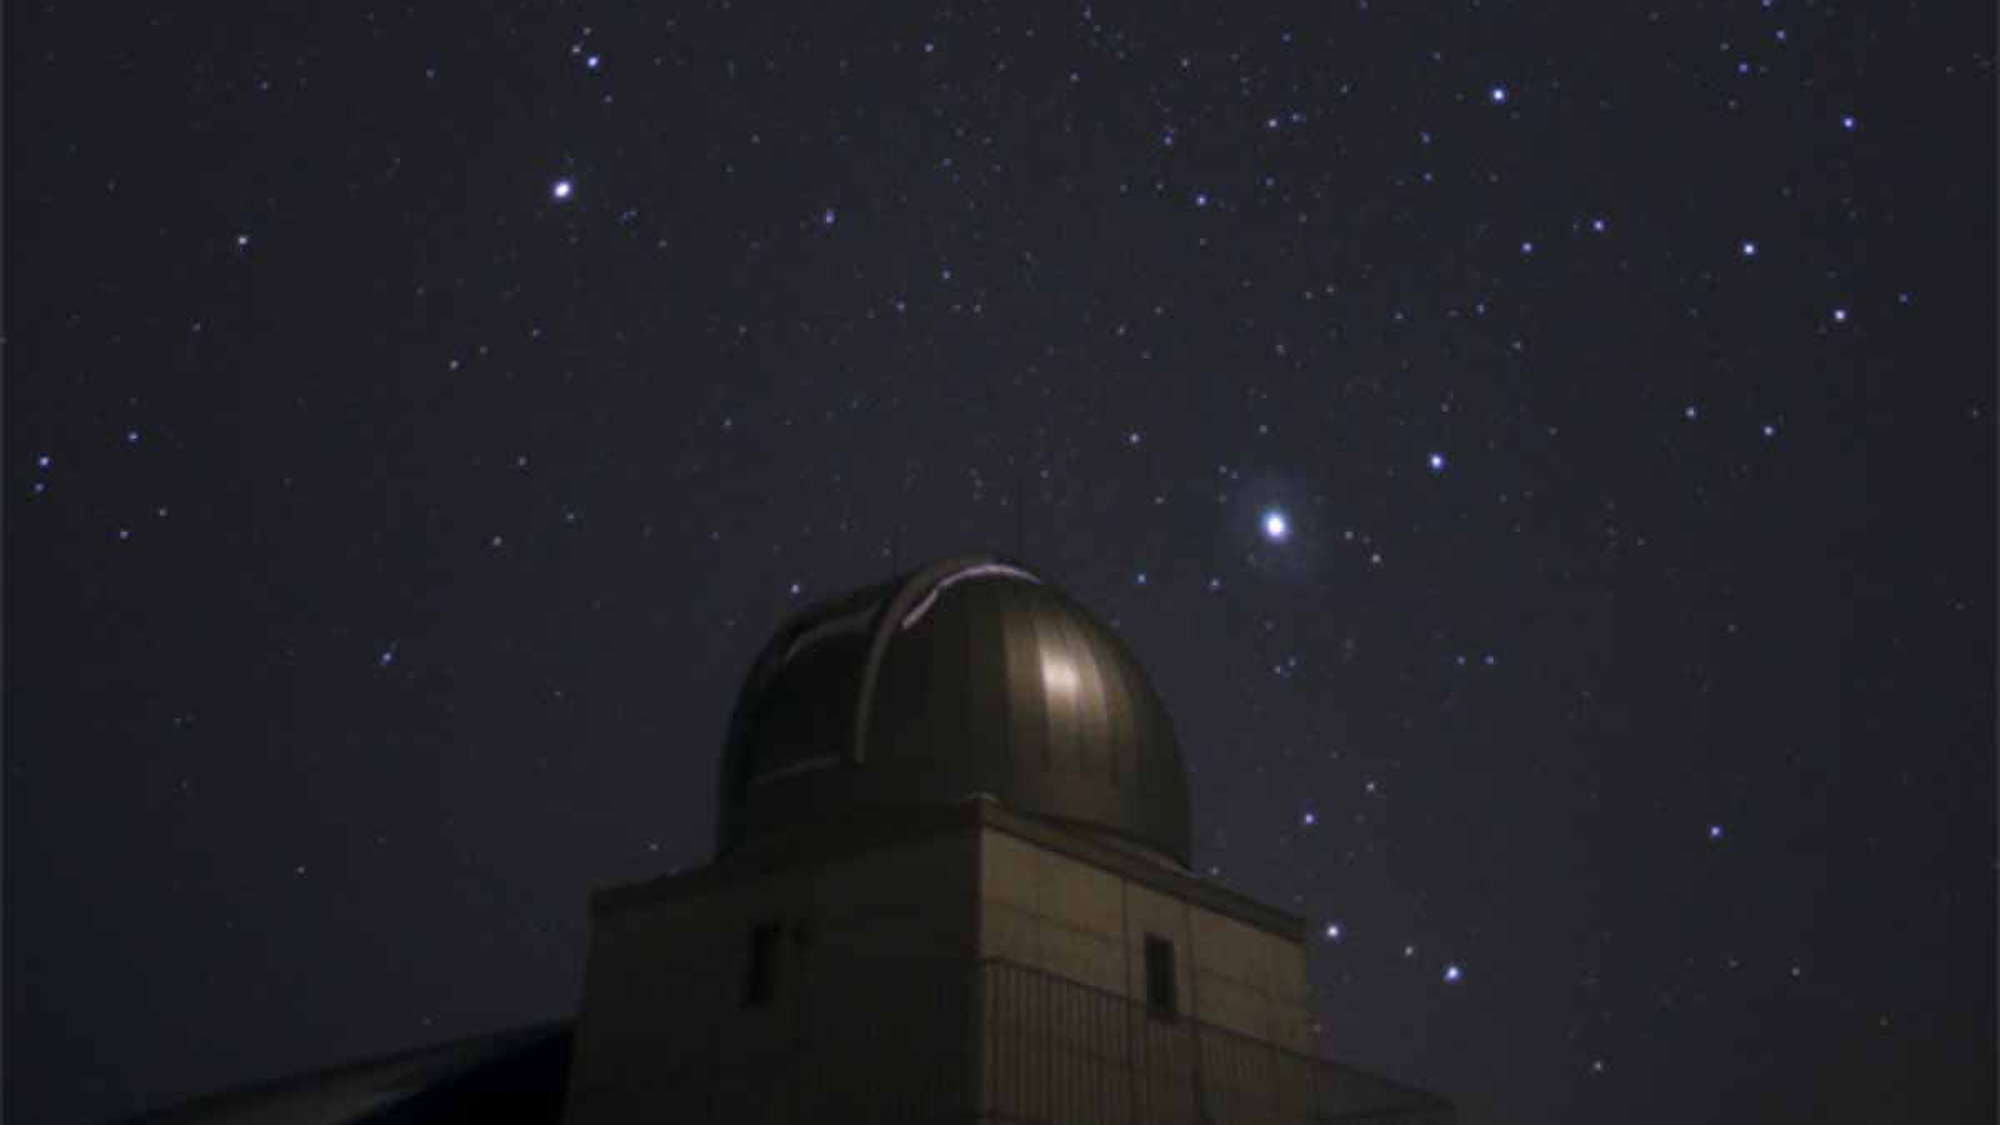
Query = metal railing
x=1056 y=1051
x=1010 y=1043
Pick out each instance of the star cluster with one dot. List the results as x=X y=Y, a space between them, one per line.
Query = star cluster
x=1544 y=460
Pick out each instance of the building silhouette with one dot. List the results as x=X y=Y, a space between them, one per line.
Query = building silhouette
x=952 y=884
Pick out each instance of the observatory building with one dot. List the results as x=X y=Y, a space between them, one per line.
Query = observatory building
x=952 y=883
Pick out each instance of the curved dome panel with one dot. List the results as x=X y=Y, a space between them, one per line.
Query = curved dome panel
x=971 y=676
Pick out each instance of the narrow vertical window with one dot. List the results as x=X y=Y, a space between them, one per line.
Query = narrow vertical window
x=1162 y=997
x=760 y=973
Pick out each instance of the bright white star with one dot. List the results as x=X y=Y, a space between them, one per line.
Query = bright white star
x=562 y=189
x=1276 y=528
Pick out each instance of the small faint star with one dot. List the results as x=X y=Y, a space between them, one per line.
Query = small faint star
x=1140 y=578
x=242 y=240
x=593 y=62
x=1497 y=95
x=827 y=217
x=1840 y=316
x=1309 y=819
x=1333 y=931
x=1453 y=974
x=1715 y=831
x=1691 y=413
x=1848 y=122
x=1769 y=430
x=1748 y=248
x=1527 y=248
x=43 y=461
x=1436 y=462
x=793 y=589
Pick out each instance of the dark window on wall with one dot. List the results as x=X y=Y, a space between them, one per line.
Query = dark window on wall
x=1162 y=996
x=760 y=975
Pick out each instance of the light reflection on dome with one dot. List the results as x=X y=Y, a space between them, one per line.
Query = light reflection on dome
x=1059 y=675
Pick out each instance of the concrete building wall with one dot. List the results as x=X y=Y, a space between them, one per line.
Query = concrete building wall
x=977 y=967
x=862 y=944
x=1046 y=909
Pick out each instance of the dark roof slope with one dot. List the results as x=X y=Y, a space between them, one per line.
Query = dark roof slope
x=516 y=1077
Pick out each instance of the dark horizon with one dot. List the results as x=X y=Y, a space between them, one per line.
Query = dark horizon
x=1544 y=463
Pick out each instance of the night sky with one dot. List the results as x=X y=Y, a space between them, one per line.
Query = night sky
x=1546 y=462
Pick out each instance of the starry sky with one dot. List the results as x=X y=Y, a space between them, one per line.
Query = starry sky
x=1545 y=460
